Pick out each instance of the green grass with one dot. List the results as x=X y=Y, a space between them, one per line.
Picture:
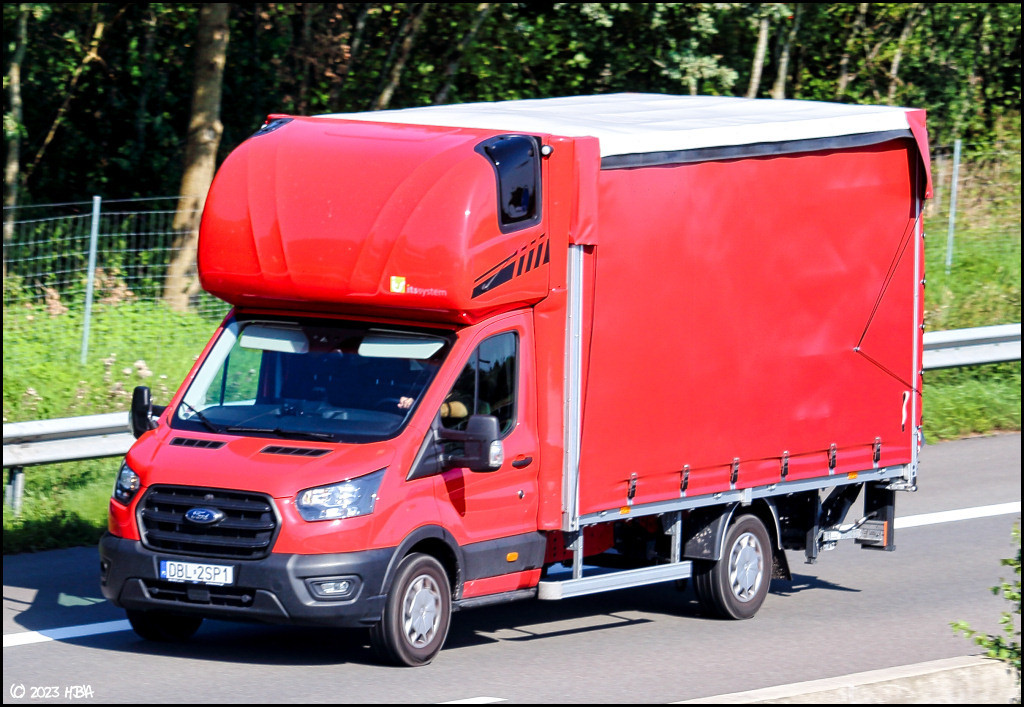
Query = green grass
x=982 y=286
x=130 y=344
x=64 y=505
x=972 y=401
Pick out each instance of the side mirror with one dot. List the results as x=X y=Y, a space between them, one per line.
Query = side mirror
x=142 y=415
x=482 y=449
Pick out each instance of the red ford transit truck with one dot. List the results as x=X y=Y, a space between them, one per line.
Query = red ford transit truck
x=533 y=350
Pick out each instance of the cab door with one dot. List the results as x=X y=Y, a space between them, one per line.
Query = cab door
x=495 y=380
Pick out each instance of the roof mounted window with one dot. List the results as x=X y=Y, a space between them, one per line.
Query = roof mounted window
x=516 y=162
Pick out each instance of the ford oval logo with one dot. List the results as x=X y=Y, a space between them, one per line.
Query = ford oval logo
x=203 y=516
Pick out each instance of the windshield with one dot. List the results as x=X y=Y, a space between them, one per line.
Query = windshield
x=340 y=382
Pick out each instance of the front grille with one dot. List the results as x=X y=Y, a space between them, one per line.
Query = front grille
x=193 y=594
x=245 y=532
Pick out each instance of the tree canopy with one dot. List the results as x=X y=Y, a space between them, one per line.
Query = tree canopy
x=104 y=90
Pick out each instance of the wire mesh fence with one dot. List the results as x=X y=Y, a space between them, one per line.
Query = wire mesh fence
x=84 y=312
x=84 y=285
x=47 y=251
x=62 y=258
x=972 y=251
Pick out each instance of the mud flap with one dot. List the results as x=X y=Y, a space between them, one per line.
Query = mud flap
x=878 y=533
x=780 y=565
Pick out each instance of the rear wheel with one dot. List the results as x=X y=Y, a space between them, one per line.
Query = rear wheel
x=736 y=585
x=162 y=626
x=417 y=613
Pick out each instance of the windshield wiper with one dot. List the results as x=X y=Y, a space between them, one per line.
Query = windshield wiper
x=281 y=432
x=204 y=419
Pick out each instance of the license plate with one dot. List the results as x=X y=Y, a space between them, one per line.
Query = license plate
x=196 y=573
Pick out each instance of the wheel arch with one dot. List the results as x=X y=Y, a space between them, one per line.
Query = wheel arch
x=705 y=528
x=437 y=542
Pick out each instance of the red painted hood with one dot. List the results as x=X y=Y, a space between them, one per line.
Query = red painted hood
x=254 y=464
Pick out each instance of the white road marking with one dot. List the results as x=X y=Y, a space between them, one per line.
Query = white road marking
x=60 y=634
x=998 y=509
x=24 y=638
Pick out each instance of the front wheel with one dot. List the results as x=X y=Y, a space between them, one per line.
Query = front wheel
x=417 y=613
x=736 y=585
x=162 y=626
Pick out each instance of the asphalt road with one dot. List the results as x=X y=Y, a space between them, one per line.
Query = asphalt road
x=853 y=611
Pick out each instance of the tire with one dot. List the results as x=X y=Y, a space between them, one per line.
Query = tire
x=417 y=613
x=736 y=585
x=164 y=627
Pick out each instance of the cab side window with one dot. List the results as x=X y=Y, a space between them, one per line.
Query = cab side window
x=486 y=386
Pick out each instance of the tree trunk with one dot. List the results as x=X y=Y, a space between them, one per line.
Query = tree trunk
x=11 y=171
x=395 y=76
x=779 y=89
x=894 y=68
x=758 y=64
x=844 y=60
x=483 y=10
x=358 y=29
x=204 y=133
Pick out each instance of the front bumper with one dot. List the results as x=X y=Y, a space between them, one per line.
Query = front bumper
x=278 y=589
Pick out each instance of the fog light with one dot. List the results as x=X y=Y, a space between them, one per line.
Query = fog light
x=333 y=587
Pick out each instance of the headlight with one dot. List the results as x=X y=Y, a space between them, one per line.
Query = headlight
x=127 y=484
x=343 y=500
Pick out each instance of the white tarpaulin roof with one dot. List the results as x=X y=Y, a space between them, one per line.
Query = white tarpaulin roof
x=632 y=123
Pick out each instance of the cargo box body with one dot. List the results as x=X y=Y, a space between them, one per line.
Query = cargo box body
x=740 y=311
x=474 y=346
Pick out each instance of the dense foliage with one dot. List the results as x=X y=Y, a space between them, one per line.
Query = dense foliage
x=106 y=87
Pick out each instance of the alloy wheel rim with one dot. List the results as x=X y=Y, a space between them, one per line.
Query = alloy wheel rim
x=422 y=611
x=746 y=567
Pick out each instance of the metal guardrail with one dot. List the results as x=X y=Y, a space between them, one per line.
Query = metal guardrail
x=60 y=440
x=66 y=439
x=971 y=347
x=108 y=435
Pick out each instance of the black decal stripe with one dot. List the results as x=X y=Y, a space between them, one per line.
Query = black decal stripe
x=499 y=278
x=522 y=261
x=500 y=266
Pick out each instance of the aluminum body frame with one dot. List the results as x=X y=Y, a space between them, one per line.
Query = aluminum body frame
x=917 y=364
x=573 y=388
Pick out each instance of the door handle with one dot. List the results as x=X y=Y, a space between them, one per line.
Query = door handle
x=521 y=461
